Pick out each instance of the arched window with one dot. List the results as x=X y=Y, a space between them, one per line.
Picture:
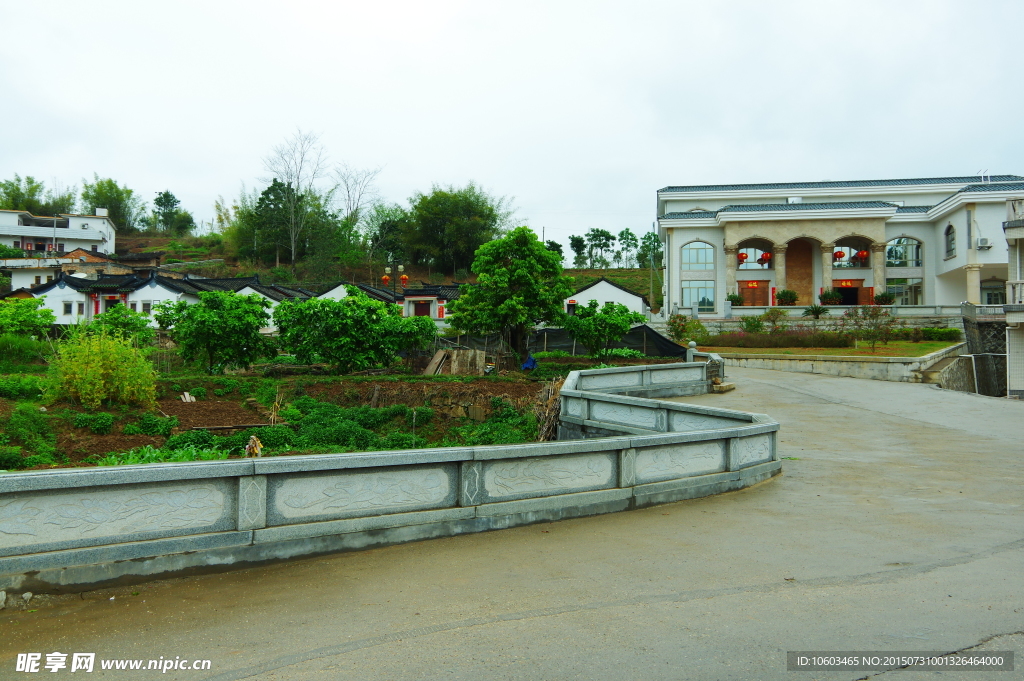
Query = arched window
x=950 y=241
x=851 y=252
x=755 y=254
x=697 y=255
x=903 y=252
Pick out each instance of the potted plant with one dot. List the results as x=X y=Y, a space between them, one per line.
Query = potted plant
x=786 y=298
x=735 y=298
x=830 y=297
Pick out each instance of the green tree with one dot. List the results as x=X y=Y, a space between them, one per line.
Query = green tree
x=31 y=195
x=595 y=328
x=650 y=249
x=872 y=323
x=578 y=245
x=628 y=245
x=385 y=228
x=556 y=247
x=520 y=285
x=222 y=330
x=124 y=208
x=124 y=323
x=450 y=224
x=599 y=241
x=350 y=334
x=169 y=217
x=25 y=316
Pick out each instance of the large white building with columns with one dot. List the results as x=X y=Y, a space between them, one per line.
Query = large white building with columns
x=929 y=241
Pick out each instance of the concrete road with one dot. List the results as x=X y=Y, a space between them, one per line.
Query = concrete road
x=898 y=525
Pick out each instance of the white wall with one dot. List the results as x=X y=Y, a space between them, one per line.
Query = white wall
x=603 y=292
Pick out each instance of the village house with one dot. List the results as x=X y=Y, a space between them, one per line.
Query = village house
x=606 y=291
x=928 y=241
x=57 y=234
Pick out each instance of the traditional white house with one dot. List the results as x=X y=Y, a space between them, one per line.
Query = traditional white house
x=75 y=297
x=57 y=234
x=605 y=291
x=929 y=241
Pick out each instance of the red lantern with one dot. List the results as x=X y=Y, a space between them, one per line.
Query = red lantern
x=766 y=255
x=404 y=279
x=742 y=257
x=838 y=255
x=863 y=255
x=385 y=280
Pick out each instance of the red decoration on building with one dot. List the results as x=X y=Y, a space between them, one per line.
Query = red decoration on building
x=742 y=257
x=404 y=279
x=766 y=255
x=863 y=255
x=385 y=280
x=838 y=255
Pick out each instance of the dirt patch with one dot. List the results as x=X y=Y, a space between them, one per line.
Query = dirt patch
x=79 y=444
x=450 y=398
x=210 y=413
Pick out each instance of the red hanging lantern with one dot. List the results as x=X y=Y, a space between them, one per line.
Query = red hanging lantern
x=404 y=279
x=838 y=255
x=766 y=255
x=863 y=255
x=742 y=257
x=385 y=280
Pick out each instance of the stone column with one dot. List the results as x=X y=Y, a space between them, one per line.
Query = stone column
x=826 y=266
x=878 y=267
x=779 y=257
x=730 y=269
x=973 y=283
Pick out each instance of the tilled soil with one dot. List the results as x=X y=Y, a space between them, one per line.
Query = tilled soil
x=210 y=413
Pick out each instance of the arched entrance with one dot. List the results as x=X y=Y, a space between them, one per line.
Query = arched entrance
x=800 y=269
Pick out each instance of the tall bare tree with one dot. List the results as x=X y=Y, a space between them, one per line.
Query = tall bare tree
x=355 y=189
x=300 y=162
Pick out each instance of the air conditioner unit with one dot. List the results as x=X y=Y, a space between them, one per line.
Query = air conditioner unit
x=984 y=243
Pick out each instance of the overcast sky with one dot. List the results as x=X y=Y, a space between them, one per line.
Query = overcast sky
x=580 y=110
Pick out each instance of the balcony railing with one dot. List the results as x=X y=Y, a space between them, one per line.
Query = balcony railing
x=1015 y=293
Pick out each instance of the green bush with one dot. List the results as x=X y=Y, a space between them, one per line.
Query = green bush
x=200 y=439
x=552 y=354
x=884 y=298
x=18 y=347
x=628 y=353
x=93 y=368
x=16 y=387
x=11 y=458
x=150 y=454
x=830 y=297
x=815 y=311
x=31 y=428
x=682 y=329
x=751 y=324
x=150 y=424
x=506 y=425
x=932 y=334
x=100 y=423
x=785 y=339
x=786 y=297
x=198 y=393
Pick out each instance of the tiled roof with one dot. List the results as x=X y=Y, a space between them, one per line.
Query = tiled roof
x=995 y=187
x=913 y=209
x=690 y=215
x=772 y=207
x=840 y=184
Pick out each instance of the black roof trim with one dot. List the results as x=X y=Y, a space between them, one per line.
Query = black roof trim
x=618 y=286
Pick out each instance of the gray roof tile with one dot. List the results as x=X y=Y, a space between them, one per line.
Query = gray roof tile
x=840 y=184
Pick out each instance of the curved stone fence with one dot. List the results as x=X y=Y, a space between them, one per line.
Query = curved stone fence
x=78 y=528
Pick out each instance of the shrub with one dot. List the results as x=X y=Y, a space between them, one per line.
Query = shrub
x=786 y=297
x=785 y=339
x=773 y=317
x=11 y=458
x=100 y=423
x=871 y=323
x=93 y=368
x=25 y=316
x=122 y=322
x=505 y=426
x=15 y=387
x=150 y=454
x=682 y=329
x=751 y=324
x=830 y=297
x=16 y=347
x=149 y=424
x=735 y=298
x=628 y=353
x=552 y=354
x=932 y=334
x=815 y=311
x=31 y=428
x=201 y=439
x=198 y=393
x=885 y=298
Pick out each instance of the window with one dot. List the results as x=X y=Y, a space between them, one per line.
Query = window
x=17 y=244
x=132 y=306
x=698 y=255
x=700 y=293
x=49 y=278
x=60 y=247
x=950 y=241
x=993 y=292
x=570 y=308
x=67 y=308
x=95 y=248
x=81 y=308
x=907 y=291
x=147 y=307
x=755 y=255
x=851 y=254
x=903 y=252
x=39 y=280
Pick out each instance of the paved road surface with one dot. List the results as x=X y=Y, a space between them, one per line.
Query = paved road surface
x=897 y=525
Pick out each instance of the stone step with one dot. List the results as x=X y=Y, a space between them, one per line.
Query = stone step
x=931 y=374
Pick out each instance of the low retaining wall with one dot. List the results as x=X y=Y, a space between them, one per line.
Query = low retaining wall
x=65 y=530
x=899 y=369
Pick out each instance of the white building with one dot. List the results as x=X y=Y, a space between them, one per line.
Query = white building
x=56 y=234
x=1014 y=308
x=929 y=241
x=605 y=291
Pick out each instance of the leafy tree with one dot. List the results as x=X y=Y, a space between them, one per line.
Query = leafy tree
x=598 y=242
x=595 y=328
x=872 y=323
x=350 y=334
x=650 y=248
x=124 y=208
x=556 y=247
x=520 y=285
x=168 y=216
x=25 y=316
x=450 y=224
x=121 y=322
x=222 y=330
x=578 y=245
x=628 y=244
x=9 y=252
x=31 y=195
x=93 y=368
x=385 y=228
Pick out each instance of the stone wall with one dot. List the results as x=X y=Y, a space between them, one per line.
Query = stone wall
x=71 y=529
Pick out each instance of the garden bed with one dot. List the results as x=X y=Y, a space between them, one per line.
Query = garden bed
x=891 y=349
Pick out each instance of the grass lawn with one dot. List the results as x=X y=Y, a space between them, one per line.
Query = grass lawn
x=892 y=349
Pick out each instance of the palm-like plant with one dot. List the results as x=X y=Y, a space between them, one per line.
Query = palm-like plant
x=815 y=311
